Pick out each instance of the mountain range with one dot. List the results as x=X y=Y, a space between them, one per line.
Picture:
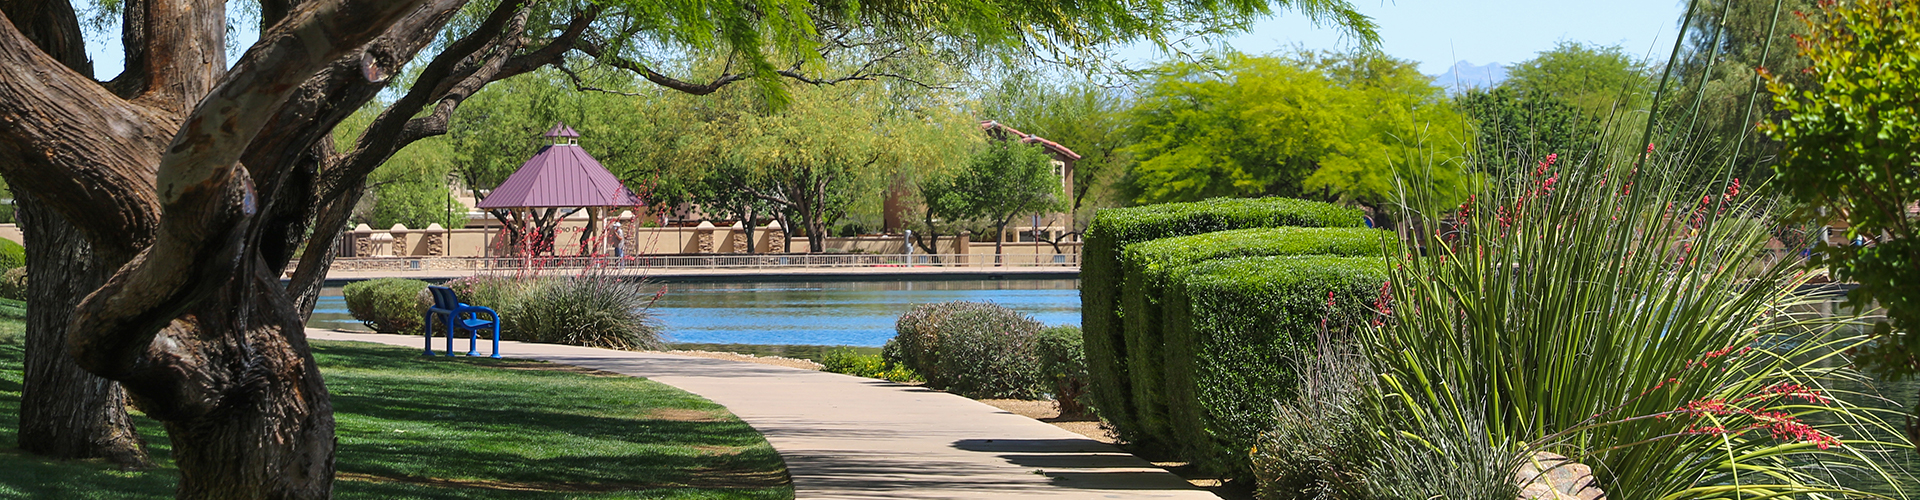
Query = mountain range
x=1465 y=75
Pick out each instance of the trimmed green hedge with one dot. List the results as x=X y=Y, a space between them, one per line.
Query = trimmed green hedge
x=387 y=305
x=1231 y=327
x=1101 y=275
x=1150 y=265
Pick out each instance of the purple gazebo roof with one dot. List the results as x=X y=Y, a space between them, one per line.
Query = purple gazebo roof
x=561 y=175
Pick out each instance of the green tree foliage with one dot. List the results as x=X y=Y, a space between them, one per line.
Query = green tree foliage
x=1083 y=117
x=412 y=187
x=1602 y=82
x=1328 y=126
x=1716 y=82
x=1514 y=127
x=1007 y=179
x=1852 y=152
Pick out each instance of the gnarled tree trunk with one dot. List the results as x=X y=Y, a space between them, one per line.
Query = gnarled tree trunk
x=66 y=412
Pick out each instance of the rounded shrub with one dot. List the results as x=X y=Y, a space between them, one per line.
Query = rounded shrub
x=13 y=284
x=1063 y=368
x=387 y=305
x=12 y=255
x=590 y=311
x=978 y=350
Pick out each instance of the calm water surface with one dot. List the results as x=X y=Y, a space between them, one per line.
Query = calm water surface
x=835 y=313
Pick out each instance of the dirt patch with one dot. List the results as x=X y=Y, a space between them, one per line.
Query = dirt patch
x=683 y=415
x=749 y=358
x=731 y=479
x=1049 y=412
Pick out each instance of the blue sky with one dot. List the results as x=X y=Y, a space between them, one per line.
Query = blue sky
x=1433 y=33
x=1438 y=33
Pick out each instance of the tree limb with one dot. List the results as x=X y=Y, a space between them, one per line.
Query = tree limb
x=210 y=199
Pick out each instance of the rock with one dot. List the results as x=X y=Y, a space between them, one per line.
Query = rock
x=1563 y=479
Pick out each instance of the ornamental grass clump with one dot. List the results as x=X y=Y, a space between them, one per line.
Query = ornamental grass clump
x=1598 y=308
x=590 y=311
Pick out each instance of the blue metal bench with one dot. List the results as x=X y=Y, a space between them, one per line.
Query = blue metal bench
x=447 y=307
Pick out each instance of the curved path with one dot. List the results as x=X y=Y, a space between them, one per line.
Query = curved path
x=852 y=437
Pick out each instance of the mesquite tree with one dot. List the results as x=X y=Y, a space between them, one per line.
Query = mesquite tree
x=184 y=187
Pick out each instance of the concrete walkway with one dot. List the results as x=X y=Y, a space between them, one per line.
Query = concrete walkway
x=852 y=437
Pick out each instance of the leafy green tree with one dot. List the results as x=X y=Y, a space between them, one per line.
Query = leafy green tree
x=1602 y=82
x=189 y=186
x=417 y=204
x=1332 y=126
x=1008 y=179
x=1852 y=152
x=1716 y=85
x=942 y=204
x=1513 y=128
x=1086 y=118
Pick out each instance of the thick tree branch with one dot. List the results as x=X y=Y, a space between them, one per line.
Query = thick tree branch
x=66 y=120
x=54 y=27
x=209 y=199
x=183 y=51
x=498 y=36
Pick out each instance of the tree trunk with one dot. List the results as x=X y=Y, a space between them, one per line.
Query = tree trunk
x=267 y=431
x=65 y=412
x=999 y=240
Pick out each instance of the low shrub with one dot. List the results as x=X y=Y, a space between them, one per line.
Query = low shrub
x=1150 y=264
x=846 y=361
x=1102 y=275
x=13 y=284
x=12 y=255
x=1235 y=328
x=1063 y=368
x=589 y=311
x=386 y=305
x=977 y=350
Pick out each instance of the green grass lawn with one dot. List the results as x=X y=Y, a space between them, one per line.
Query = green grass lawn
x=466 y=428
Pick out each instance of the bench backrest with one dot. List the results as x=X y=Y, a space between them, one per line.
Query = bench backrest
x=444 y=298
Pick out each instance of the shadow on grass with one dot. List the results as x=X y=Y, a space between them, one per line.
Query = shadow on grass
x=413 y=427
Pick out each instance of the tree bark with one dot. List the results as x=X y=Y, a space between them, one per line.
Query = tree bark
x=66 y=412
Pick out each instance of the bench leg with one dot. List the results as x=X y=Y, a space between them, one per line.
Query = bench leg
x=496 y=338
x=450 y=320
x=473 y=342
x=428 y=327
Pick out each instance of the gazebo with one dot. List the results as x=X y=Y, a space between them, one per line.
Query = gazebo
x=559 y=176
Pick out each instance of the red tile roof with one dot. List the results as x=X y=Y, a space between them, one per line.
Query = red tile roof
x=561 y=175
x=1026 y=138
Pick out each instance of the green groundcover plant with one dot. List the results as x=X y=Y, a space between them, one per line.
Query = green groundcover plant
x=1597 y=309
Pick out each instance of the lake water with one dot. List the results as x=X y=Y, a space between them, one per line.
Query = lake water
x=828 y=313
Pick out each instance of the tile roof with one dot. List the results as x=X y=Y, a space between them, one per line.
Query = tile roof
x=1026 y=138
